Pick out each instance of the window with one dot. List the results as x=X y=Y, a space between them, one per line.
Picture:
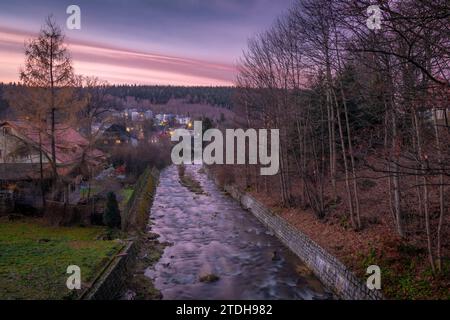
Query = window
x=6 y=131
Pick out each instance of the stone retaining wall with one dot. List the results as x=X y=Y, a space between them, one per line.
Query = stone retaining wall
x=111 y=283
x=130 y=213
x=333 y=274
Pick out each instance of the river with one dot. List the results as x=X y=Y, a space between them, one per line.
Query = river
x=211 y=234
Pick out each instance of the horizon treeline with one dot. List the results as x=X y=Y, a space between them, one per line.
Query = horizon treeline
x=158 y=94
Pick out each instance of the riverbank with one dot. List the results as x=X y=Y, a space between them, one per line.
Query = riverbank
x=217 y=250
x=405 y=272
x=140 y=287
x=149 y=249
x=333 y=274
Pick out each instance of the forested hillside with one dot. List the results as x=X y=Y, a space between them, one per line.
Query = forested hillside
x=214 y=96
x=364 y=129
x=154 y=95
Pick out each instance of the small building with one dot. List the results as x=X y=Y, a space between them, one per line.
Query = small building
x=165 y=118
x=24 y=147
x=116 y=134
x=20 y=185
x=148 y=114
x=137 y=116
x=159 y=117
x=183 y=120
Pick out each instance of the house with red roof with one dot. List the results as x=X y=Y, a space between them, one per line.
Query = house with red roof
x=23 y=144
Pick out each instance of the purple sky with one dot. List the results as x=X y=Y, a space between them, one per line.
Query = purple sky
x=184 y=42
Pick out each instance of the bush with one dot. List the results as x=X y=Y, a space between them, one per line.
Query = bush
x=137 y=158
x=111 y=216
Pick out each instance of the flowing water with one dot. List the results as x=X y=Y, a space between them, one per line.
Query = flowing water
x=212 y=234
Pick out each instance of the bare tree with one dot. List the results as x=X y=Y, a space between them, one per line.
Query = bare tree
x=392 y=121
x=48 y=66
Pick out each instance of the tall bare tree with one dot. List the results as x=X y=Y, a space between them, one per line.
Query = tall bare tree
x=48 y=66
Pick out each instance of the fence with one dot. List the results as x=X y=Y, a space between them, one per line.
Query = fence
x=6 y=202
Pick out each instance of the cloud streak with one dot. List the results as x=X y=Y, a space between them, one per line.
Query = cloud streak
x=120 y=65
x=184 y=42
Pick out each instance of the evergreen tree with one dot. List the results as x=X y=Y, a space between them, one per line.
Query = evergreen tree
x=111 y=216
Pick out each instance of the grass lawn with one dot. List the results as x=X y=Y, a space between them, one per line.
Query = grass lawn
x=126 y=195
x=34 y=258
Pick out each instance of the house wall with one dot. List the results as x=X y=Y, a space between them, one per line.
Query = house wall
x=6 y=202
x=9 y=143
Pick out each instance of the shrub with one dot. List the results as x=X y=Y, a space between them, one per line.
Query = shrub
x=111 y=216
x=137 y=158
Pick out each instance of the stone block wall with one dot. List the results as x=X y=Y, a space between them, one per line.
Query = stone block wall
x=111 y=283
x=333 y=274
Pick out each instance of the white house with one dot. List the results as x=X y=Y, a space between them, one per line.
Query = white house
x=183 y=119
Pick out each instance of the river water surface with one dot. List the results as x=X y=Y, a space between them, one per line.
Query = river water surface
x=212 y=234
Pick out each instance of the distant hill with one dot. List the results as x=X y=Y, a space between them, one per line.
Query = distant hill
x=213 y=102
x=194 y=110
x=214 y=96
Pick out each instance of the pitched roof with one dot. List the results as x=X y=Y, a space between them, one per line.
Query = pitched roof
x=70 y=144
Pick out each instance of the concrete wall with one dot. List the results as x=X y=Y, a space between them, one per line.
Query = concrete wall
x=130 y=213
x=333 y=274
x=9 y=142
x=111 y=283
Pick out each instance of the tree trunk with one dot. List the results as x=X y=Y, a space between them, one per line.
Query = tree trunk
x=344 y=158
x=396 y=179
x=441 y=195
x=41 y=172
x=425 y=192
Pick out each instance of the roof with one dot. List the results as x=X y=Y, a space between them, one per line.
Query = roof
x=70 y=144
x=117 y=128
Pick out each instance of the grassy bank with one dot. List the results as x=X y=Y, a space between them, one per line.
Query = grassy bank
x=126 y=195
x=150 y=249
x=406 y=274
x=135 y=212
x=34 y=258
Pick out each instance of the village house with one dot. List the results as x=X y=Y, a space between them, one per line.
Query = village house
x=118 y=134
x=22 y=147
x=137 y=115
x=148 y=114
x=164 y=118
x=183 y=120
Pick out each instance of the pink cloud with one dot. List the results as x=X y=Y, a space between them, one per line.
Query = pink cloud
x=119 y=65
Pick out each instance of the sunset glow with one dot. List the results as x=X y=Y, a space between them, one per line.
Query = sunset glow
x=119 y=65
x=182 y=46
